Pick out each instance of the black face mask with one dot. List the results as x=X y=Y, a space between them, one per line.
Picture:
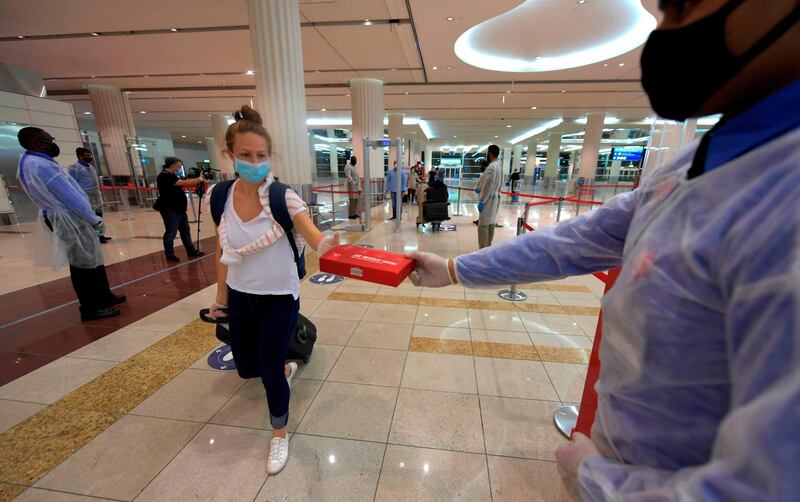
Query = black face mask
x=51 y=148
x=682 y=68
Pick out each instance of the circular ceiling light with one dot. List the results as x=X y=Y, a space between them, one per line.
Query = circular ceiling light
x=142 y=111
x=183 y=136
x=435 y=67
x=608 y=33
x=87 y=113
x=450 y=18
x=324 y=110
x=533 y=107
x=508 y=126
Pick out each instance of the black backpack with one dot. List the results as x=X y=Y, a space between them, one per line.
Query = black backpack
x=277 y=204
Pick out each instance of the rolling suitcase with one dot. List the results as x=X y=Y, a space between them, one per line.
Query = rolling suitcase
x=300 y=346
x=435 y=211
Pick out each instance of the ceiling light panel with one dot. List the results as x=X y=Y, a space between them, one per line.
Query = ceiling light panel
x=504 y=43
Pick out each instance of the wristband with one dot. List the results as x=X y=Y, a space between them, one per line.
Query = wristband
x=451 y=270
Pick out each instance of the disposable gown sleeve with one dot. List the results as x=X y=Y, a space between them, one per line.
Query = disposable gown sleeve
x=583 y=245
x=755 y=452
x=489 y=177
x=73 y=199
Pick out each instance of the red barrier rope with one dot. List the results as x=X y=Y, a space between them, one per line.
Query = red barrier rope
x=579 y=201
x=602 y=276
x=129 y=188
x=326 y=188
x=528 y=227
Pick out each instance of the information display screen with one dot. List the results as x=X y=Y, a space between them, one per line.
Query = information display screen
x=627 y=153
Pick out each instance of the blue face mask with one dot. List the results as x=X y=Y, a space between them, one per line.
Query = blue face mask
x=252 y=173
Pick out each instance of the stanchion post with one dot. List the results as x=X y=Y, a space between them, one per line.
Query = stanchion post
x=125 y=205
x=398 y=182
x=512 y=294
x=558 y=215
x=333 y=204
x=458 y=201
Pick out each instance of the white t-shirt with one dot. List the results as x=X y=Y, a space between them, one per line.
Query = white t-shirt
x=271 y=271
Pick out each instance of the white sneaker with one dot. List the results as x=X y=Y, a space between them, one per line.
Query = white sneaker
x=278 y=455
x=292 y=372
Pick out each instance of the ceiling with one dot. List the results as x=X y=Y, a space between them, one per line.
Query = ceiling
x=179 y=77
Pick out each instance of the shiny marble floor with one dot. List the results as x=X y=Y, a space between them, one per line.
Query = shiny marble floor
x=411 y=394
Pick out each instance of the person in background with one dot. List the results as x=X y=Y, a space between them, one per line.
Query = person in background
x=86 y=175
x=257 y=272
x=70 y=223
x=484 y=164
x=172 y=205
x=514 y=181
x=412 y=182
x=698 y=397
x=488 y=189
x=353 y=185
x=391 y=188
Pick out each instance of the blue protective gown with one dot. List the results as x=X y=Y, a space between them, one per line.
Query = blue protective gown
x=699 y=393
x=67 y=209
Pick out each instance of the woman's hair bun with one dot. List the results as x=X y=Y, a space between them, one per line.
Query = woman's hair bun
x=247 y=113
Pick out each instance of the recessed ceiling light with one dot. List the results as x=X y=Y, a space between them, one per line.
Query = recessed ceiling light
x=183 y=136
x=324 y=110
x=449 y=67
x=394 y=69
x=508 y=126
x=250 y=72
x=173 y=29
x=92 y=76
x=348 y=95
x=435 y=67
x=142 y=111
x=95 y=34
x=199 y=141
x=605 y=64
x=581 y=2
x=533 y=107
x=622 y=64
x=367 y=22
x=563 y=90
x=450 y=18
x=455 y=136
x=87 y=113
x=406 y=93
x=20 y=36
x=508 y=92
x=147 y=76
x=497 y=136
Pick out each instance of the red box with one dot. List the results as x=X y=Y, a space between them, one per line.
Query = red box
x=366 y=264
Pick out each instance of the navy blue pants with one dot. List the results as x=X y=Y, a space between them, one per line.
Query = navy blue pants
x=174 y=222
x=261 y=327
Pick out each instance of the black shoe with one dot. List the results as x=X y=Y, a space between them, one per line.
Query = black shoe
x=172 y=257
x=116 y=300
x=475 y=222
x=392 y=218
x=197 y=254
x=99 y=314
x=353 y=217
x=104 y=239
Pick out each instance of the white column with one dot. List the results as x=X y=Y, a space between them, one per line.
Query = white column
x=553 y=152
x=366 y=98
x=428 y=156
x=505 y=162
x=219 y=124
x=687 y=135
x=114 y=123
x=211 y=146
x=334 y=161
x=516 y=162
x=530 y=164
x=280 y=88
x=615 y=166
x=591 y=146
x=395 y=131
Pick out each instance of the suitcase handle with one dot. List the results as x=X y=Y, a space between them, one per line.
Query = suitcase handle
x=205 y=317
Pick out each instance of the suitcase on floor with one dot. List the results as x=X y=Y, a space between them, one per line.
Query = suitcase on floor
x=300 y=346
x=435 y=211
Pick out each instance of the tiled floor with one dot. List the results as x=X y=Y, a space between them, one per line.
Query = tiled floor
x=411 y=394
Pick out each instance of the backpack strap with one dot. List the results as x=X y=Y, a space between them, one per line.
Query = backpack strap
x=280 y=212
x=219 y=196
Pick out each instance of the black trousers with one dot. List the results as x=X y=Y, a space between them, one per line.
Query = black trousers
x=91 y=287
x=174 y=222
x=261 y=327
